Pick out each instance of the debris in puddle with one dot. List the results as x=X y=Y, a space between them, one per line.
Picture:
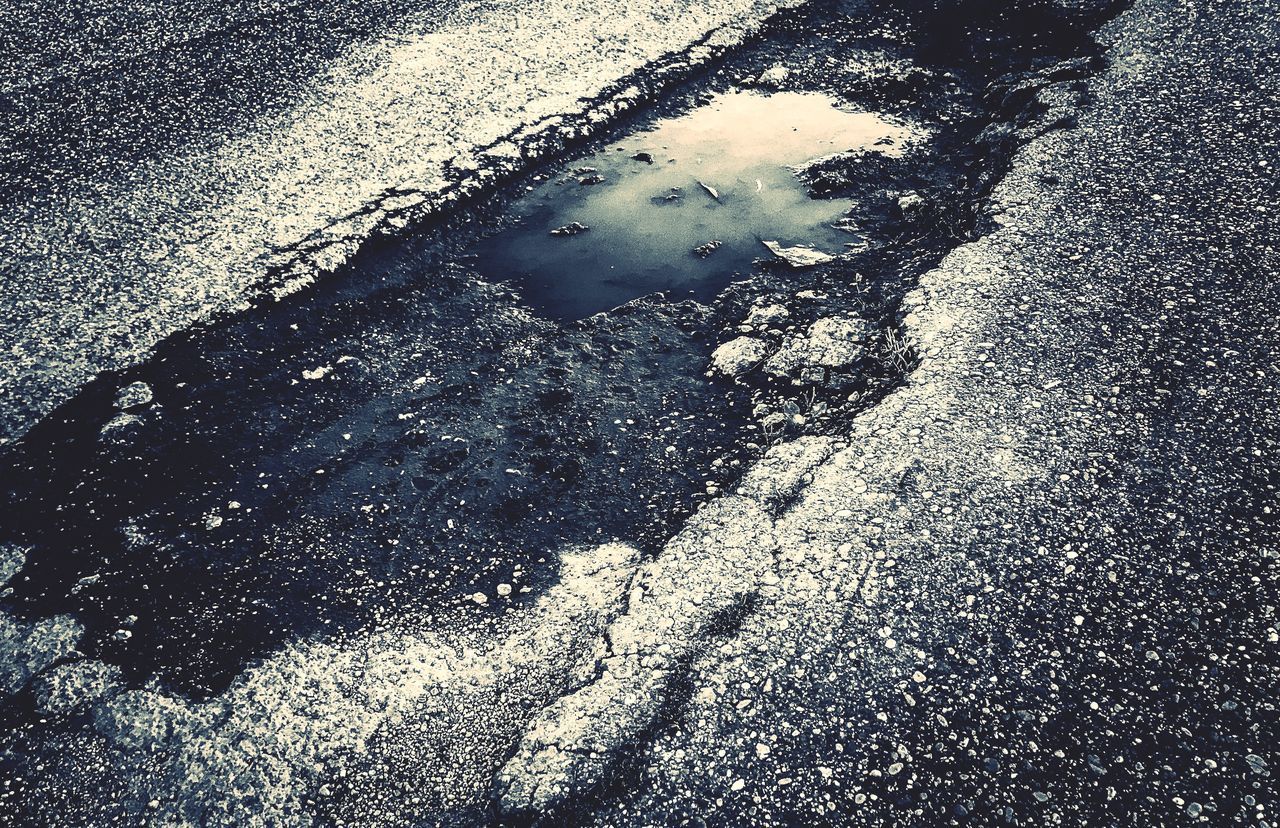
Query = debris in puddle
x=702 y=251
x=573 y=228
x=591 y=179
x=799 y=255
x=739 y=149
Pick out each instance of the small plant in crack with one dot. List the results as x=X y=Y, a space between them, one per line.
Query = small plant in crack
x=956 y=226
x=809 y=399
x=899 y=351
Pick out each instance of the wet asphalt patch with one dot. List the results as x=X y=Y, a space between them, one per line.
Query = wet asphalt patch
x=412 y=434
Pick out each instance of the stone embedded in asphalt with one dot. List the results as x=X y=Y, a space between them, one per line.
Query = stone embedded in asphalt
x=832 y=343
x=813 y=375
x=910 y=203
x=798 y=256
x=133 y=395
x=738 y=356
x=774 y=76
x=573 y=228
x=86 y=581
x=120 y=427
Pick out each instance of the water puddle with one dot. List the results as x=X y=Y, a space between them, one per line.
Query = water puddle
x=683 y=206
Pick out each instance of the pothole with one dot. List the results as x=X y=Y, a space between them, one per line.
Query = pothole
x=431 y=423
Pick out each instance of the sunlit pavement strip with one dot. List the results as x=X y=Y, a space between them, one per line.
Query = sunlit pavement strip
x=256 y=753
x=97 y=271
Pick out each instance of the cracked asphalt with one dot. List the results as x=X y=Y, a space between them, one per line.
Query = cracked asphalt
x=1036 y=584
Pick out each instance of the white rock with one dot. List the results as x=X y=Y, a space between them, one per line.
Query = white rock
x=834 y=342
x=774 y=75
x=738 y=355
x=120 y=425
x=910 y=202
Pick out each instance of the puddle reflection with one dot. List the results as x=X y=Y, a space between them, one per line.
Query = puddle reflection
x=656 y=204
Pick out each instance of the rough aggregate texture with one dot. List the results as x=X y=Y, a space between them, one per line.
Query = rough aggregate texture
x=1039 y=585
x=1035 y=585
x=255 y=753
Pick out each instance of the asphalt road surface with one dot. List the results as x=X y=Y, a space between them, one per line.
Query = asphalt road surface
x=1034 y=584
